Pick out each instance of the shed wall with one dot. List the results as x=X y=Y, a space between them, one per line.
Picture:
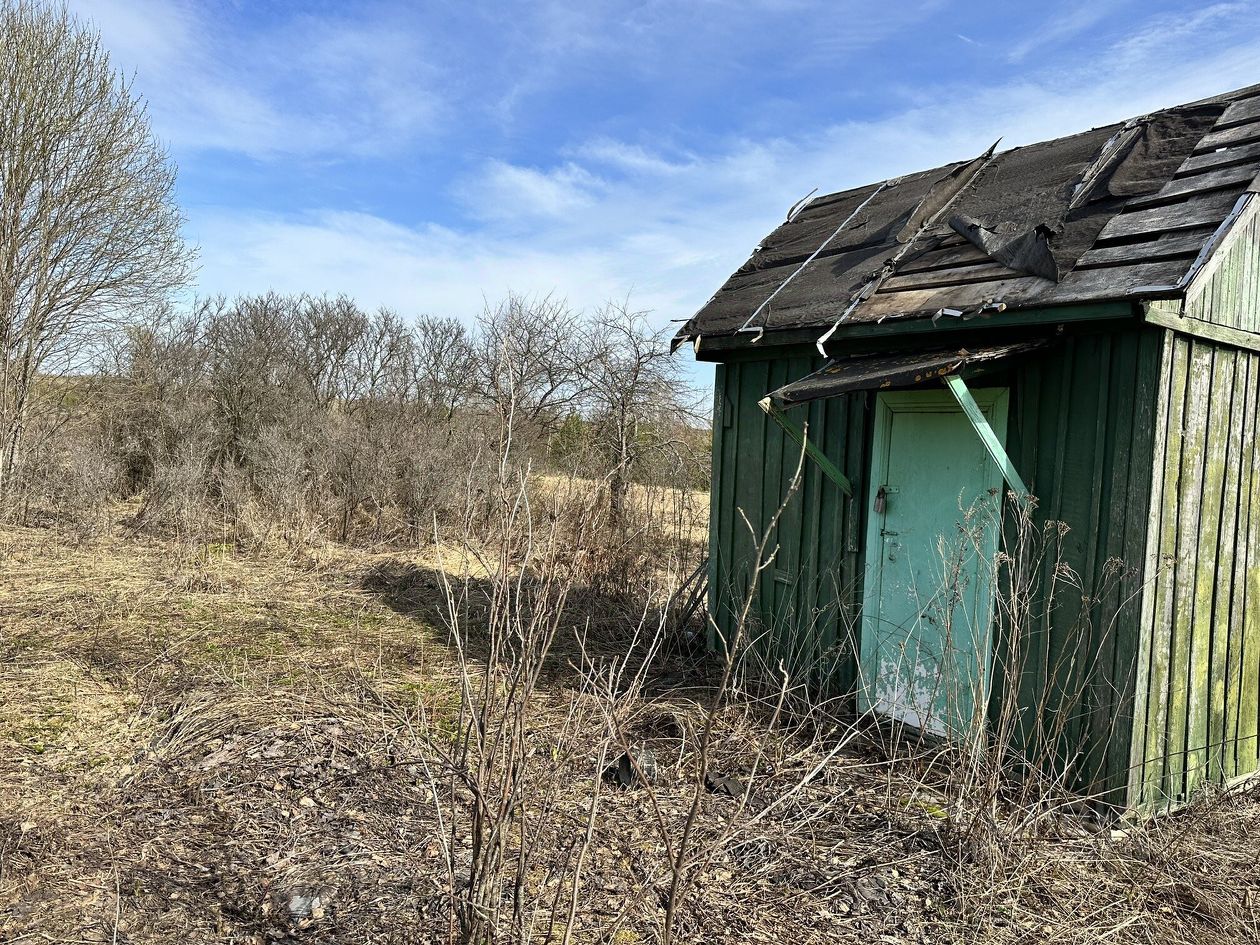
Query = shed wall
x=1201 y=661
x=1080 y=432
x=1083 y=438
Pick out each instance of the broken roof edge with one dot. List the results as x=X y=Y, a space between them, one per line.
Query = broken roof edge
x=897 y=370
x=717 y=347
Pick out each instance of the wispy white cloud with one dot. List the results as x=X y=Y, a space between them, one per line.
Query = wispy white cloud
x=304 y=85
x=507 y=192
x=1064 y=22
x=612 y=217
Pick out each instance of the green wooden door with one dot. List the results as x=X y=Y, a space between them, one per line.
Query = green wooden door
x=931 y=541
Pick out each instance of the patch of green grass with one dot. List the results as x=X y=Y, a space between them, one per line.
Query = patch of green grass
x=43 y=731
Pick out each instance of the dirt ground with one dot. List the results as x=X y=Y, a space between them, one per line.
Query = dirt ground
x=208 y=746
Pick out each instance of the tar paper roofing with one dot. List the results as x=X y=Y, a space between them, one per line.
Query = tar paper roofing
x=1125 y=211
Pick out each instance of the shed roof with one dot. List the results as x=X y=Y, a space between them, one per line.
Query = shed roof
x=1124 y=211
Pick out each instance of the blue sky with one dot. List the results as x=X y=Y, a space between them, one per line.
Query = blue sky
x=424 y=155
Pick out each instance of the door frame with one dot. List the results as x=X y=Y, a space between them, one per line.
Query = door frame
x=994 y=404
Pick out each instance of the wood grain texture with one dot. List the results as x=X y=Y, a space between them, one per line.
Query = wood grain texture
x=1228 y=290
x=1201 y=628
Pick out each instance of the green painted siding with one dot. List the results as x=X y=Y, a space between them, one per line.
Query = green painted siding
x=1081 y=432
x=1082 y=437
x=1202 y=627
x=807 y=598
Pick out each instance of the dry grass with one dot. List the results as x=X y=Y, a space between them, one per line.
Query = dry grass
x=213 y=747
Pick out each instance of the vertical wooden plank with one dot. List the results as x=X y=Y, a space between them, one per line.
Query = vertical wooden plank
x=1227 y=427
x=857 y=437
x=723 y=579
x=1131 y=462
x=1104 y=521
x=1059 y=619
x=1166 y=725
x=1246 y=278
x=750 y=482
x=807 y=602
x=1223 y=298
x=1237 y=556
x=774 y=485
x=717 y=497
x=1079 y=502
x=1019 y=660
x=1248 y=747
x=1051 y=412
x=1200 y=504
x=1245 y=251
x=1143 y=538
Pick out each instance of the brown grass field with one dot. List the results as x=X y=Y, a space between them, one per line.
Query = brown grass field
x=203 y=745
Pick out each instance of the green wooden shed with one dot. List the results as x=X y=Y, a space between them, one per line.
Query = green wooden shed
x=1077 y=321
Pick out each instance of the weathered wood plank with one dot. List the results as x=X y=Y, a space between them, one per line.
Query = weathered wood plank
x=812 y=596
x=1018 y=659
x=1145 y=536
x=773 y=474
x=1235 y=178
x=1170 y=417
x=1188 y=502
x=1050 y=713
x=1200 y=210
x=1232 y=386
x=1248 y=750
x=717 y=492
x=854 y=427
x=1241 y=112
x=750 y=489
x=1249 y=277
x=1229 y=137
x=957 y=252
x=1117 y=282
x=1165 y=246
x=1225 y=291
x=1210 y=414
x=1197 y=163
x=1198 y=328
x=983 y=271
x=1132 y=490
x=1237 y=616
x=1078 y=483
x=1111 y=680
x=958 y=297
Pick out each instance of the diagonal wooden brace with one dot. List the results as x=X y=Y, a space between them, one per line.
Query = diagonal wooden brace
x=813 y=452
x=991 y=443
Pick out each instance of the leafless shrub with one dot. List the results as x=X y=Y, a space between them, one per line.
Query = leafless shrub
x=66 y=477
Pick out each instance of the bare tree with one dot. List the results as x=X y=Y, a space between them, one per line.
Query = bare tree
x=636 y=395
x=526 y=365
x=440 y=365
x=89 y=228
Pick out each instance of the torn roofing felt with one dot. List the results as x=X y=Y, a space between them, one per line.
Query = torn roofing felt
x=1108 y=214
x=904 y=369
